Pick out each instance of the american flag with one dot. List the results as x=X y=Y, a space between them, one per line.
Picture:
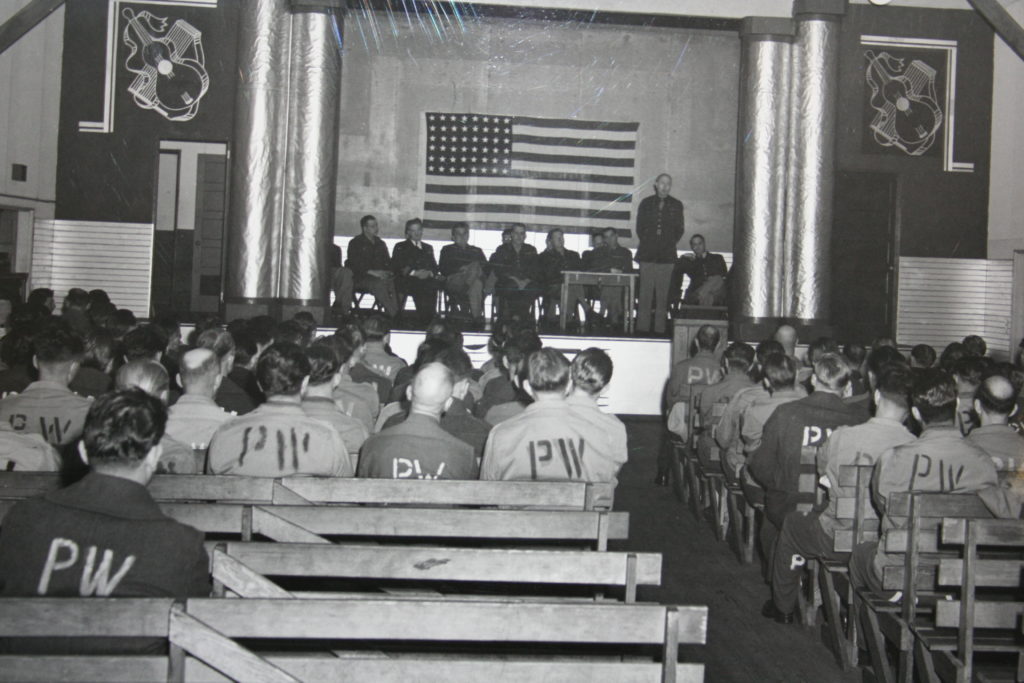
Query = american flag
x=492 y=171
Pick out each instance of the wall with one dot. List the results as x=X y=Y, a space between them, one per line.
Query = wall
x=941 y=213
x=1006 y=201
x=680 y=84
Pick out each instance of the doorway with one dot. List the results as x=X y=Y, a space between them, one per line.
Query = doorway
x=865 y=252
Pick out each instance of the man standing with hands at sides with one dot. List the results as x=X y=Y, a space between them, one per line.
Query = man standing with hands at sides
x=462 y=267
x=416 y=268
x=659 y=226
x=371 y=267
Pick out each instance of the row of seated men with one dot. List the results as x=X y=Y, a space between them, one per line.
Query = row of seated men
x=946 y=427
x=516 y=273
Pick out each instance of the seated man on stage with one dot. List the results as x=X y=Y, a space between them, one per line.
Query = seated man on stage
x=707 y=275
x=341 y=282
x=416 y=269
x=462 y=267
x=553 y=262
x=371 y=267
x=612 y=258
x=596 y=242
x=516 y=268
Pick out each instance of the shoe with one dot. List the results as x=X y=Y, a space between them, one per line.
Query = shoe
x=661 y=480
x=769 y=611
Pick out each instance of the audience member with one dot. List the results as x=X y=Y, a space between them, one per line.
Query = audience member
x=939 y=461
x=94 y=376
x=922 y=357
x=75 y=311
x=516 y=267
x=341 y=283
x=994 y=402
x=143 y=343
x=967 y=372
x=291 y=332
x=26 y=452
x=975 y=346
x=780 y=385
x=737 y=361
x=230 y=396
x=953 y=352
x=196 y=416
x=356 y=399
x=278 y=438
x=418 y=448
x=318 y=401
x=416 y=271
x=370 y=264
x=306 y=321
x=47 y=407
x=176 y=457
x=243 y=370
x=16 y=355
x=376 y=354
x=52 y=545
x=43 y=297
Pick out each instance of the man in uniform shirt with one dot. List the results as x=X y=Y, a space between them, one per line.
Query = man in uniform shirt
x=375 y=354
x=358 y=399
x=371 y=266
x=775 y=465
x=707 y=275
x=736 y=363
x=994 y=402
x=462 y=266
x=596 y=242
x=727 y=432
x=278 y=439
x=611 y=258
x=939 y=461
x=230 y=396
x=551 y=440
x=47 y=407
x=659 y=227
x=26 y=452
x=195 y=416
x=552 y=262
x=318 y=401
x=418 y=448
x=515 y=266
x=811 y=536
x=416 y=271
x=104 y=536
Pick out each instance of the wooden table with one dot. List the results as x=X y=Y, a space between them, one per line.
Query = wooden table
x=627 y=281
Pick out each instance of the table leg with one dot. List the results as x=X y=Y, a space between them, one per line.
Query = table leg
x=628 y=312
x=563 y=313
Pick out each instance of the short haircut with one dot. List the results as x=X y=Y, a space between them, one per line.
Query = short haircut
x=446 y=331
x=291 y=332
x=376 y=328
x=970 y=370
x=100 y=349
x=217 y=340
x=548 y=370
x=934 y=396
x=281 y=369
x=707 y=337
x=16 y=348
x=143 y=342
x=995 y=401
x=245 y=346
x=591 y=370
x=855 y=353
x=923 y=355
x=262 y=328
x=1008 y=370
x=26 y=316
x=820 y=346
x=460 y=226
x=308 y=322
x=895 y=383
x=780 y=371
x=528 y=340
x=98 y=296
x=507 y=232
x=881 y=356
x=147 y=375
x=457 y=361
x=554 y=231
x=953 y=352
x=831 y=370
x=54 y=344
x=205 y=371
x=323 y=363
x=125 y=318
x=411 y=222
x=122 y=427
x=366 y=219
x=767 y=348
x=428 y=351
x=345 y=342
x=39 y=296
x=607 y=231
x=102 y=315
x=740 y=356
x=76 y=298
x=698 y=236
x=975 y=345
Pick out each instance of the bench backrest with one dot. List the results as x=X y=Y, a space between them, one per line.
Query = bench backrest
x=206 y=629
x=570 y=495
x=857 y=510
x=234 y=564
x=809 y=492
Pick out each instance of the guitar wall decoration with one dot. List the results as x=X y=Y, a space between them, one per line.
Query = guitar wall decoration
x=907 y=114
x=169 y=65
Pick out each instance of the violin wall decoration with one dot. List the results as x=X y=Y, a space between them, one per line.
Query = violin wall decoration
x=907 y=114
x=169 y=65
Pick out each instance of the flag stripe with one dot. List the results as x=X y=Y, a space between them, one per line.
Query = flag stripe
x=512 y=190
x=572 y=133
x=575 y=142
x=527 y=200
x=572 y=150
x=525 y=210
x=617 y=126
x=585 y=229
x=569 y=159
x=506 y=219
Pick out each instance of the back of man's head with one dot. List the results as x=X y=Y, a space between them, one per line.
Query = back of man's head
x=739 y=357
x=591 y=370
x=934 y=397
x=291 y=332
x=431 y=388
x=528 y=340
x=855 y=353
x=376 y=328
x=779 y=371
x=879 y=358
x=263 y=328
x=77 y=299
x=894 y=386
x=56 y=350
x=41 y=296
x=282 y=369
x=786 y=335
x=707 y=338
x=922 y=356
x=143 y=343
x=147 y=375
x=246 y=348
x=200 y=372
x=548 y=371
x=968 y=372
x=428 y=351
x=446 y=331
x=996 y=397
x=217 y=340
x=975 y=345
x=831 y=373
x=27 y=316
x=953 y=352
x=100 y=350
x=121 y=428
x=458 y=362
x=323 y=364
x=820 y=346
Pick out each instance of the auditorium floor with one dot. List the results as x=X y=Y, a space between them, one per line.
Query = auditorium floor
x=698 y=569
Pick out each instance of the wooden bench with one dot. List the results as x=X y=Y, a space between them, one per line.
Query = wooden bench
x=986 y=622
x=243 y=568
x=710 y=479
x=476 y=640
x=555 y=495
x=313 y=523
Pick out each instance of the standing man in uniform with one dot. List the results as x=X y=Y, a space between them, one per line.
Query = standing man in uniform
x=659 y=226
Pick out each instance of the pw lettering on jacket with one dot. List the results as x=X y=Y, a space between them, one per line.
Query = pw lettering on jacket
x=64 y=554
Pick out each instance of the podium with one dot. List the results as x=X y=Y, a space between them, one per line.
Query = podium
x=684 y=329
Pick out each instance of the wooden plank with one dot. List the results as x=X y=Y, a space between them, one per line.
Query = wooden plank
x=186 y=487
x=455 y=669
x=18 y=485
x=222 y=653
x=45 y=669
x=26 y=19
x=142 y=617
x=446 y=564
x=999 y=532
x=271 y=525
x=236 y=576
x=990 y=573
x=1003 y=23
x=448 y=620
x=938 y=505
x=1001 y=615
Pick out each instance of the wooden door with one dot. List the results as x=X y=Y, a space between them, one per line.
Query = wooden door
x=208 y=246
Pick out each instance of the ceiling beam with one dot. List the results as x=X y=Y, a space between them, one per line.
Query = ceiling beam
x=1003 y=23
x=25 y=20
